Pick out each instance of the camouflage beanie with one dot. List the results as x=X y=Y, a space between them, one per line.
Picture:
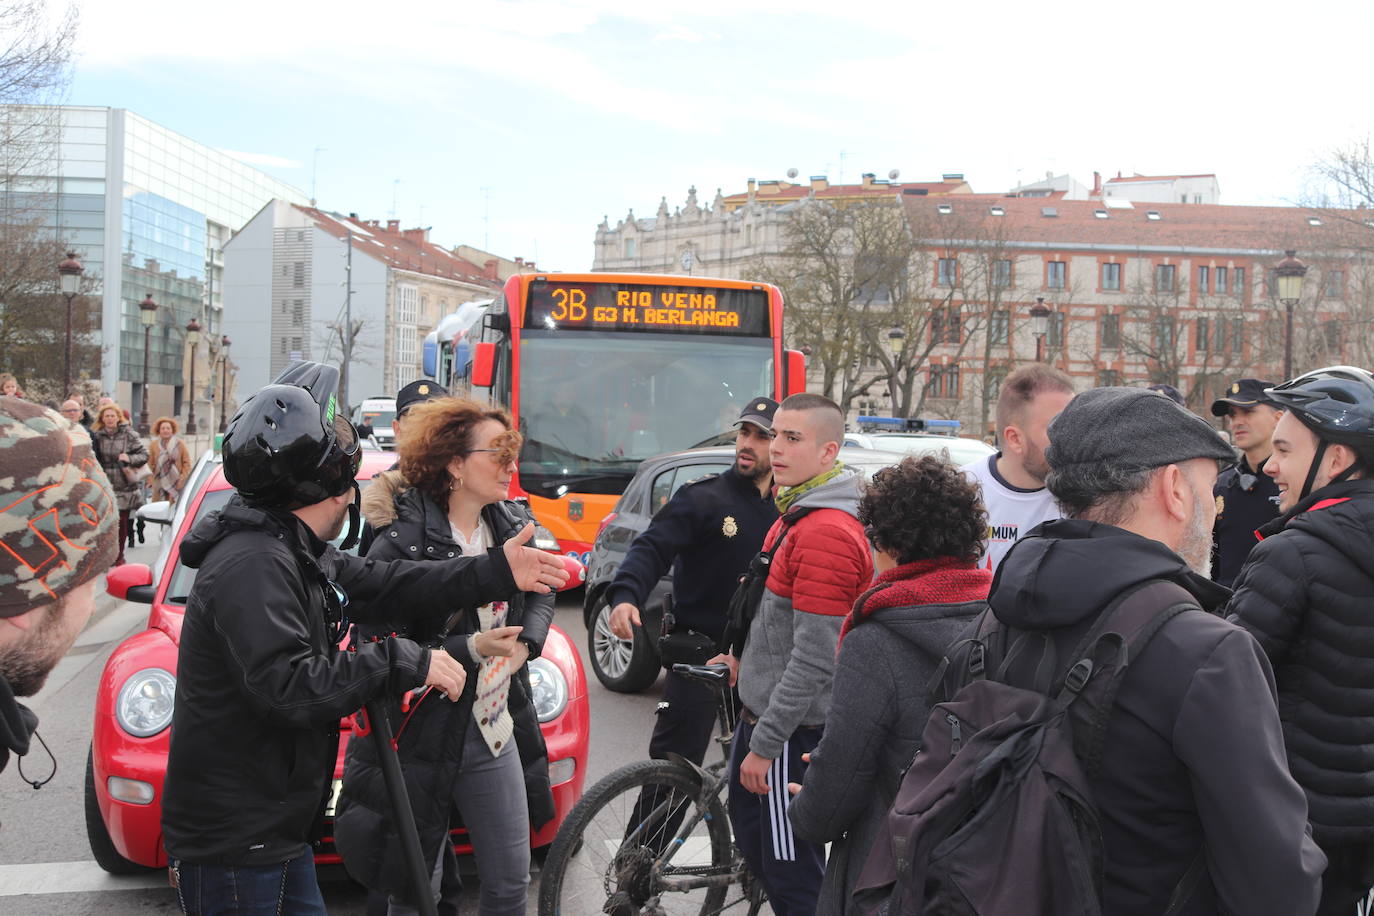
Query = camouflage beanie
x=58 y=516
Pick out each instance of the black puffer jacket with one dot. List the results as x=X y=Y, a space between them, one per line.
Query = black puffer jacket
x=431 y=745
x=1307 y=594
x=261 y=685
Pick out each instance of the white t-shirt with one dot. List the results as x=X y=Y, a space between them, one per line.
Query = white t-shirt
x=1012 y=511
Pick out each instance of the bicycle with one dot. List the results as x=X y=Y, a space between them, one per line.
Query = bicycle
x=653 y=838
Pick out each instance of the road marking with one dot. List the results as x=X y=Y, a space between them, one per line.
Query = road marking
x=72 y=878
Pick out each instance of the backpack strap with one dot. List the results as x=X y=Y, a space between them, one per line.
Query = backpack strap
x=1119 y=635
x=744 y=602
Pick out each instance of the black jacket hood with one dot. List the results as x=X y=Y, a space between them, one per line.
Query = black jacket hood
x=239 y=516
x=1069 y=569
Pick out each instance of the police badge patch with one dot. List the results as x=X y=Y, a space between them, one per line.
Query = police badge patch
x=1221 y=505
x=730 y=527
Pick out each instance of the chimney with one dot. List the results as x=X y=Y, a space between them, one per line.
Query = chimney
x=867 y=179
x=352 y=216
x=489 y=268
x=753 y=186
x=1097 y=184
x=393 y=226
x=419 y=236
x=819 y=182
x=952 y=176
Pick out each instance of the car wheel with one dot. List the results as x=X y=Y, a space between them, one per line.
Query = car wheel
x=625 y=666
x=102 y=847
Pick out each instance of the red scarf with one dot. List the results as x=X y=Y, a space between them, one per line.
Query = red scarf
x=940 y=580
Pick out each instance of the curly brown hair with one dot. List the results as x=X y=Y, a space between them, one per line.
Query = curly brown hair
x=435 y=432
x=924 y=508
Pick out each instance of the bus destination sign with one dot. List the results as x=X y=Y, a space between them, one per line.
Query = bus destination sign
x=634 y=307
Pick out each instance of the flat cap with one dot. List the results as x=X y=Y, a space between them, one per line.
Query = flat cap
x=1130 y=428
x=57 y=511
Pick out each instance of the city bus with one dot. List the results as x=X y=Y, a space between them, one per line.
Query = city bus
x=601 y=371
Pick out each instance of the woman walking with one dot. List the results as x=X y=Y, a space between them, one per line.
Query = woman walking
x=170 y=460
x=484 y=753
x=122 y=454
x=926 y=523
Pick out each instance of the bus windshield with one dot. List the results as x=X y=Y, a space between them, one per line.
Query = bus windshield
x=593 y=405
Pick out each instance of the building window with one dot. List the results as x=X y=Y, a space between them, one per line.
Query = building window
x=1220 y=281
x=1055 y=338
x=1238 y=287
x=1334 y=284
x=629 y=248
x=946 y=325
x=1204 y=276
x=1001 y=273
x=944 y=381
x=1203 y=337
x=1164 y=278
x=1108 y=378
x=1056 y=274
x=298 y=312
x=947 y=272
x=1166 y=333
x=1237 y=334
x=993 y=380
x=298 y=274
x=998 y=327
x=1111 y=332
x=1111 y=277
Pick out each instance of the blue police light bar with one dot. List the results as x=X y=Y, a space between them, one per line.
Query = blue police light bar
x=909 y=425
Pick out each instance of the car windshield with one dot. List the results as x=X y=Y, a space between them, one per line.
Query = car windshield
x=594 y=405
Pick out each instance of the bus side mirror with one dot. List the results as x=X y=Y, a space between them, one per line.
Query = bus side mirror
x=794 y=377
x=483 y=364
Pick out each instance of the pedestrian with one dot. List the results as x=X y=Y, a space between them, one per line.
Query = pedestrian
x=820 y=564
x=485 y=753
x=1193 y=791
x=391 y=479
x=261 y=682
x=1247 y=498
x=706 y=534
x=58 y=526
x=9 y=386
x=125 y=459
x=73 y=411
x=929 y=588
x=1013 y=480
x=1304 y=592
x=170 y=460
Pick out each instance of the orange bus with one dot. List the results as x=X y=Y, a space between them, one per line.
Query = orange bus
x=604 y=370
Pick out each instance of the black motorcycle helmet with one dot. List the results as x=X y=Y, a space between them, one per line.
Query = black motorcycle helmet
x=288 y=446
x=1337 y=404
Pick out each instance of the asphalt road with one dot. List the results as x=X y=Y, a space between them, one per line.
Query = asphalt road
x=45 y=863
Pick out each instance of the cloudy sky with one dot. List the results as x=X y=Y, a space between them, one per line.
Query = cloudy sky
x=518 y=125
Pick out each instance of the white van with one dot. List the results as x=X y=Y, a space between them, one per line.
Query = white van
x=378 y=413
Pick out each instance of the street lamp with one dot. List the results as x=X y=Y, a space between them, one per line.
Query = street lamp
x=223 y=383
x=147 y=316
x=1040 y=326
x=895 y=339
x=69 y=274
x=1289 y=272
x=192 y=338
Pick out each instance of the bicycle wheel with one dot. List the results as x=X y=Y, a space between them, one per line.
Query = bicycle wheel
x=603 y=857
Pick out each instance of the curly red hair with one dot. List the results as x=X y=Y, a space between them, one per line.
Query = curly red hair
x=436 y=431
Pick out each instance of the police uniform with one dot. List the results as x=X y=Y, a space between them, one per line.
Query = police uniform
x=708 y=532
x=1246 y=497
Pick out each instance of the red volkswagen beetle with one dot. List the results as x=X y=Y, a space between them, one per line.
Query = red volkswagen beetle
x=133 y=705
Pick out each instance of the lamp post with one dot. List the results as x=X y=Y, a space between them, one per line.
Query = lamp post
x=1289 y=272
x=895 y=339
x=69 y=274
x=147 y=316
x=192 y=338
x=1040 y=326
x=223 y=383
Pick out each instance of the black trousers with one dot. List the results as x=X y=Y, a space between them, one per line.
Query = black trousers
x=685 y=725
x=1348 y=877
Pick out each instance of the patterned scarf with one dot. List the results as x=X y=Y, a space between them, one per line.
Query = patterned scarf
x=937 y=580
x=787 y=496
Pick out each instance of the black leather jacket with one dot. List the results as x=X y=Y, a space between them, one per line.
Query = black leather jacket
x=261 y=684
x=431 y=744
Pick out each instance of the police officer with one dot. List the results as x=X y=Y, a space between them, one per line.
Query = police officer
x=1246 y=496
x=708 y=532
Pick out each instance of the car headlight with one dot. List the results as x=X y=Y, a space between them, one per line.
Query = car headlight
x=544 y=539
x=550 y=689
x=144 y=706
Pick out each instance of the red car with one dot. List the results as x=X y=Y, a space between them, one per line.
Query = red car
x=133 y=706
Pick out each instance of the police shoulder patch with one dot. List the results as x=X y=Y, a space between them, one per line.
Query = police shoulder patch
x=1221 y=505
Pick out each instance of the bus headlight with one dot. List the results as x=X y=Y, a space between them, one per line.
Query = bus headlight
x=144 y=705
x=549 y=688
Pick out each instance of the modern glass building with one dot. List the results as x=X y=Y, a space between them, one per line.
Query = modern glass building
x=148 y=211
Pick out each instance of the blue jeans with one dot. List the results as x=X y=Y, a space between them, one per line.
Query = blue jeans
x=285 y=889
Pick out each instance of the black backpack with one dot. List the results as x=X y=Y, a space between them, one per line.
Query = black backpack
x=995 y=815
